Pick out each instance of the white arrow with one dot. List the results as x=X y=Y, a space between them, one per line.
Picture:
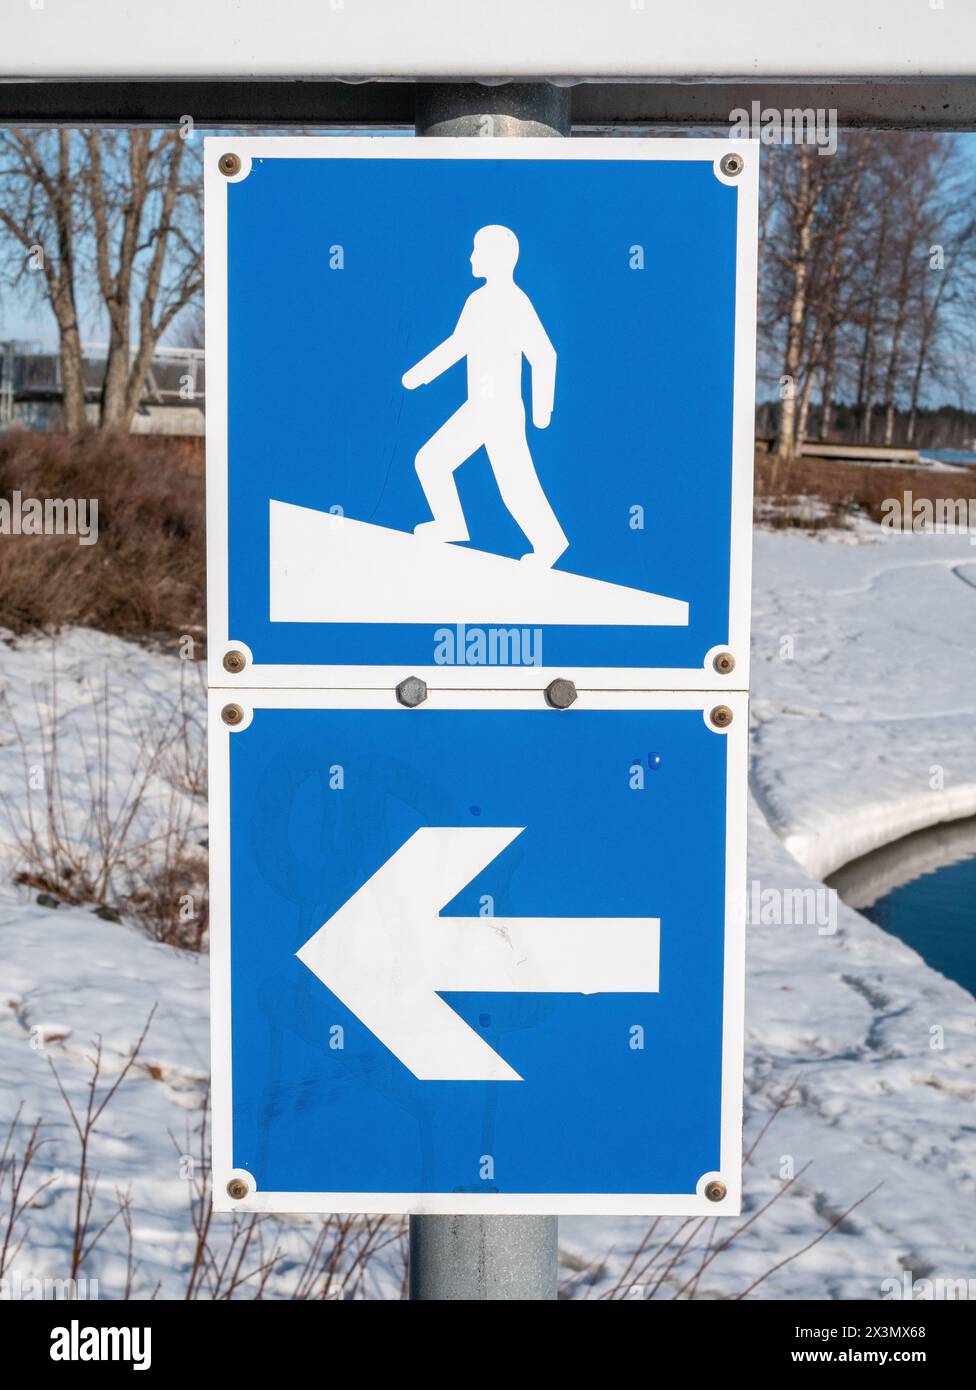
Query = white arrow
x=387 y=952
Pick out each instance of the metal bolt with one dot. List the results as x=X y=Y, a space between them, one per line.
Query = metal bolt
x=229 y=165
x=412 y=692
x=732 y=164
x=721 y=716
x=232 y=714
x=237 y=1188
x=724 y=663
x=716 y=1191
x=234 y=662
x=560 y=694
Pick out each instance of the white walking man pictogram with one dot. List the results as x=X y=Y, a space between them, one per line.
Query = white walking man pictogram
x=497 y=327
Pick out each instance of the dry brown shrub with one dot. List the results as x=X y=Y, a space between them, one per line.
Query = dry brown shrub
x=144 y=577
x=845 y=487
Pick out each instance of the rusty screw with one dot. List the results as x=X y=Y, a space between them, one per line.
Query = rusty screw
x=237 y=1188
x=721 y=716
x=234 y=662
x=232 y=714
x=724 y=663
x=732 y=165
x=716 y=1191
x=229 y=165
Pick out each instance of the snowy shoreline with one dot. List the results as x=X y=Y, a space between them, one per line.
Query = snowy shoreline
x=844 y=839
x=865 y=734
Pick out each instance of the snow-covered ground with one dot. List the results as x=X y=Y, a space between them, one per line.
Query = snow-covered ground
x=863 y=729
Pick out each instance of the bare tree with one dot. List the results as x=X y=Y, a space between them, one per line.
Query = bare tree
x=38 y=210
x=112 y=216
x=946 y=281
x=920 y=171
x=870 y=318
x=827 y=301
x=854 y=300
x=800 y=194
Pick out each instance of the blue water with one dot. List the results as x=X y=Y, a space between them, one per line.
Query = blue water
x=936 y=915
x=962 y=457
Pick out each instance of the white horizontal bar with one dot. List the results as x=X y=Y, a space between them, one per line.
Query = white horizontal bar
x=565 y=39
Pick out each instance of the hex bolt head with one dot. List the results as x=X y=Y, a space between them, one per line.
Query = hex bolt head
x=732 y=165
x=237 y=1188
x=721 y=716
x=229 y=165
x=412 y=692
x=232 y=714
x=724 y=663
x=716 y=1191
x=560 y=694
x=234 y=662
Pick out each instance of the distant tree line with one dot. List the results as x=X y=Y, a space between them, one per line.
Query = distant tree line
x=868 y=260
x=946 y=427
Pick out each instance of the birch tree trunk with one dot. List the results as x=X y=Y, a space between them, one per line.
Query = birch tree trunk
x=804 y=206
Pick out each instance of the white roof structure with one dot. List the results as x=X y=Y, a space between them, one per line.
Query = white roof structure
x=569 y=40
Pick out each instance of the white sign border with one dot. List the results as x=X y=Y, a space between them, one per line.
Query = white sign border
x=359 y=677
x=474 y=1204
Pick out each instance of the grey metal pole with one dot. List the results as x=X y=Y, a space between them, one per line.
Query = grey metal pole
x=477 y=1258
x=510 y=109
x=483 y=1258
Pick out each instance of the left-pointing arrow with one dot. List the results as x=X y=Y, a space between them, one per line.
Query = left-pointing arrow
x=387 y=953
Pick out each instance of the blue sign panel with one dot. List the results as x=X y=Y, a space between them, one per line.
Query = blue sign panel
x=472 y=390
x=479 y=954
